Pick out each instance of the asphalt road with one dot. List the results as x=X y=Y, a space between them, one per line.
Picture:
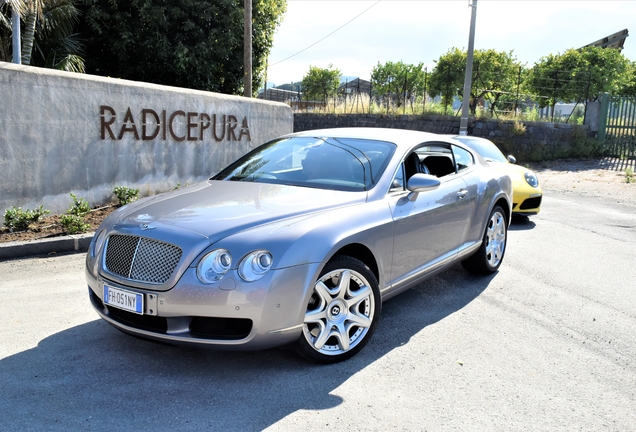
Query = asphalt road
x=548 y=343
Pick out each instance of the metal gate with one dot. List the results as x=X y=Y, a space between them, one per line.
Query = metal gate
x=617 y=126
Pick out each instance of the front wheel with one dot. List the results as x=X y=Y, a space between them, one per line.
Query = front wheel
x=342 y=312
x=490 y=254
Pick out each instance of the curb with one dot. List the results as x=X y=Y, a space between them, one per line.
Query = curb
x=70 y=243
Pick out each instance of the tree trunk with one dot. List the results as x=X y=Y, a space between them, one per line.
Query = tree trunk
x=28 y=36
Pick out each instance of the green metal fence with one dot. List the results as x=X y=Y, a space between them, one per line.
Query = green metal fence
x=617 y=126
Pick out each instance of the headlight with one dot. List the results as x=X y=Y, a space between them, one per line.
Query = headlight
x=99 y=242
x=255 y=265
x=214 y=266
x=531 y=179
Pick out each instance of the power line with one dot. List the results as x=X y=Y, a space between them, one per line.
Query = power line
x=317 y=42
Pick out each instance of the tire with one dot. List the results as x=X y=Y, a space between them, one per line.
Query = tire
x=342 y=313
x=490 y=254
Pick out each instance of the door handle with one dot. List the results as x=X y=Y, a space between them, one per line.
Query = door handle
x=462 y=193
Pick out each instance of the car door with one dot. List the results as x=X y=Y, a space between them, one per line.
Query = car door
x=429 y=228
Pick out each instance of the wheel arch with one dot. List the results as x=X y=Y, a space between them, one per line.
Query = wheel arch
x=505 y=205
x=362 y=253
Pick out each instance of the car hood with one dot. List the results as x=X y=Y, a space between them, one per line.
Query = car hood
x=217 y=209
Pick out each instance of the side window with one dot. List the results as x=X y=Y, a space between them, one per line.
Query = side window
x=463 y=159
x=398 y=179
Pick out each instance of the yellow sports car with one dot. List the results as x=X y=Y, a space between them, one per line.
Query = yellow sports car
x=526 y=190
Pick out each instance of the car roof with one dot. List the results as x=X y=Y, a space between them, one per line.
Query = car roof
x=469 y=138
x=400 y=137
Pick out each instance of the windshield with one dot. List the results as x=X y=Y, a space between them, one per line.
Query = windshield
x=486 y=149
x=328 y=163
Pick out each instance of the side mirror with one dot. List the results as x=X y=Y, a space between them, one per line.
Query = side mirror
x=512 y=159
x=421 y=183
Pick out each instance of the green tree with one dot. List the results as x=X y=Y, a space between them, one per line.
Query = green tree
x=398 y=80
x=187 y=43
x=628 y=87
x=578 y=74
x=447 y=78
x=607 y=71
x=319 y=84
x=495 y=75
x=546 y=80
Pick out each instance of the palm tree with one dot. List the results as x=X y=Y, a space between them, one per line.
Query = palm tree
x=47 y=36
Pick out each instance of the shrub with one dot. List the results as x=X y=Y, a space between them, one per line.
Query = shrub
x=80 y=206
x=126 y=195
x=74 y=224
x=18 y=219
x=584 y=146
x=518 y=128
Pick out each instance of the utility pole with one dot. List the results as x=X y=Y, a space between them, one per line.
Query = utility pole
x=463 y=125
x=247 y=48
x=15 y=30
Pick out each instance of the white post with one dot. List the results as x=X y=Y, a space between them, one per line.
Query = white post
x=15 y=29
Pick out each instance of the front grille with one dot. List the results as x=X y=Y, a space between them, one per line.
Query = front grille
x=530 y=203
x=220 y=328
x=143 y=322
x=141 y=259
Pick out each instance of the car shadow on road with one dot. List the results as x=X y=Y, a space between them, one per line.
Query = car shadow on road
x=92 y=376
x=521 y=223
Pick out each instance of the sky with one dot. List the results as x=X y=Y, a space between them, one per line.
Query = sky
x=356 y=35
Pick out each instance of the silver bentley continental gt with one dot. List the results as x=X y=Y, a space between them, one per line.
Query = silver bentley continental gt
x=299 y=241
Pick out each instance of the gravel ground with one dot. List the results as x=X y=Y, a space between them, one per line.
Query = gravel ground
x=605 y=178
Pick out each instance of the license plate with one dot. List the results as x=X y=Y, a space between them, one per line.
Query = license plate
x=122 y=299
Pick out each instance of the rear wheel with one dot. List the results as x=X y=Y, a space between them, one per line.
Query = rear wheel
x=342 y=312
x=490 y=254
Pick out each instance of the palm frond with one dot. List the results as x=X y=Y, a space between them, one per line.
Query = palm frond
x=7 y=8
x=65 y=62
x=59 y=17
x=19 y=6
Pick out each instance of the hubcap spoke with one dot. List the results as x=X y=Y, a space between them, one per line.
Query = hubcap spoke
x=359 y=320
x=343 y=284
x=358 y=296
x=323 y=335
x=323 y=292
x=342 y=334
x=316 y=316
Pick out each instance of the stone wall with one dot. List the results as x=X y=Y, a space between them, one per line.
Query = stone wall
x=528 y=141
x=62 y=132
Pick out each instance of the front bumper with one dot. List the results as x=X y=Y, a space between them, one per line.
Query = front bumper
x=233 y=314
x=526 y=204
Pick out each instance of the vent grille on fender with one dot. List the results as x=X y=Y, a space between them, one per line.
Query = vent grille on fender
x=141 y=259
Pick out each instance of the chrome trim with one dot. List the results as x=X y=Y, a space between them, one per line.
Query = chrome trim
x=296 y=327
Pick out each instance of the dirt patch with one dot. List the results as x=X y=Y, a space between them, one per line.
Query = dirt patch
x=606 y=178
